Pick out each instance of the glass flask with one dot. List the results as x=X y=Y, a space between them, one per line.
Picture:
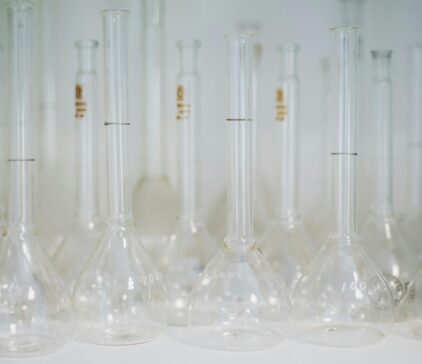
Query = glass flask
x=238 y=302
x=83 y=237
x=3 y=145
x=286 y=244
x=262 y=193
x=155 y=200
x=34 y=306
x=386 y=244
x=342 y=299
x=119 y=297
x=190 y=247
x=413 y=226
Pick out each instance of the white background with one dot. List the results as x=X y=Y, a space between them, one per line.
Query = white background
x=387 y=24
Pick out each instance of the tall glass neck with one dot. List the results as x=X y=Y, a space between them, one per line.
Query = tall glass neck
x=21 y=158
x=48 y=12
x=287 y=114
x=415 y=137
x=116 y=94
x=344 y=152
x=3 y=136
x=86 y=55
x=384 y=131
x=153 y=94
x=188 y=116
x=86 y=115
x=240 y=138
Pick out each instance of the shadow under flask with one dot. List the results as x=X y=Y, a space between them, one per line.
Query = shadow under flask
x=190 y=247
x=119 y=297
x=386 y=244
x=34 y=305
x=342 y=299
x=86 y=230
x=286 y=244
x=154 y=199
x=238 y=302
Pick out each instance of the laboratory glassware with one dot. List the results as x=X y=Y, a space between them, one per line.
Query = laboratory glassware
x=238 y=302
x=262 y=195
x=34 y=306
x=190 y=246
x=385 y=242
x=3 y=145
x=342 y=299
x=155 y=200
x=50 y=171
x=87 y=226
x=119 y=297
x=413 y=226
x=286 y=243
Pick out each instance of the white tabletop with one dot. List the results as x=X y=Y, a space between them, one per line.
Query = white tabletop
x=394 y=349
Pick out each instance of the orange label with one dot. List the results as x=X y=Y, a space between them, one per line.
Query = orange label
x=183 y=109
x=80 y=104
x=280 y=106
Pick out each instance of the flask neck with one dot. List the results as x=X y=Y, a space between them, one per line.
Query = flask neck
x=343 y=153
x=188 y=118
x=384 y=130
x=288 y=54
x=287 y=117
x=86 y=115
x=86 y=55
x=153 y=87
x=415 y=136
x=21 y=158
x=188 y=53
x=240 y=138
x=115 y=74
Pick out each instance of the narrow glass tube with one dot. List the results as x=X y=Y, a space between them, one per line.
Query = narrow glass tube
x=3 y=144
x=343 y=300
x=386 y=243
x=155 y=200
x=153 y=66
x=119 y=297
x=413 y=218
x=415 y=140
x=190 y=246
x=238 y=303
x=85 y=232
x=286 y=243
x=188 y=110
x=34 y=306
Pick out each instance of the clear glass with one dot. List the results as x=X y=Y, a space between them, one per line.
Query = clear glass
x=34 y=306
x=155 y=200
x=286 y=244
x=342 y=299
x=262 y=194
x=413 y=301
x=238 y=302
x=52 y=226
x=386 y=244
x=87 y=227
x=190 y=246
x=3 y=144
x=119 y=297
x=413 y=226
